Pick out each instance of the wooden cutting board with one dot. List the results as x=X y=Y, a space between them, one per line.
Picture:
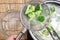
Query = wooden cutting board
x=4 y=7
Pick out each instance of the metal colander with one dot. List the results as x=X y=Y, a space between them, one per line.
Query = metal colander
x=37 y=25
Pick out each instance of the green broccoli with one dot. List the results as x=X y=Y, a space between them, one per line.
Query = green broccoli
x=45 y=32
x=31 y=15
x=40 y=18
x=38 y=13
x=52 y=9
x=30 y=9
x=50 y=27
x=38 y=7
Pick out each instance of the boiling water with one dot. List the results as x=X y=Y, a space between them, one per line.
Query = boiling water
x=55 y=21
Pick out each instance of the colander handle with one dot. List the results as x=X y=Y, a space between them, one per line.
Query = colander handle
x=20 y=34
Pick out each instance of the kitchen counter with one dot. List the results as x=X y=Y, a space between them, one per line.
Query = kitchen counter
x=4 y=7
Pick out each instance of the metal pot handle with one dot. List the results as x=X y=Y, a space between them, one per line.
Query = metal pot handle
x=56 y=2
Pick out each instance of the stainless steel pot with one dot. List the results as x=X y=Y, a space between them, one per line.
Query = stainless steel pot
x=54 y=2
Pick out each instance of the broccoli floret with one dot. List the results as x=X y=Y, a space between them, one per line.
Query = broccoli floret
x=33 y=11
x=38 y=7
x=45 y=32
x=50 y=27
x=52 y=9
x=31 y=15
x=38 y=13
x=30 y=8
x=40 y=18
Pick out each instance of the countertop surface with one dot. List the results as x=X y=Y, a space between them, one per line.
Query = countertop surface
x=10 y=5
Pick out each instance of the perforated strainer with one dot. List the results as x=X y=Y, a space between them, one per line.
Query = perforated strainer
x=36 y=25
